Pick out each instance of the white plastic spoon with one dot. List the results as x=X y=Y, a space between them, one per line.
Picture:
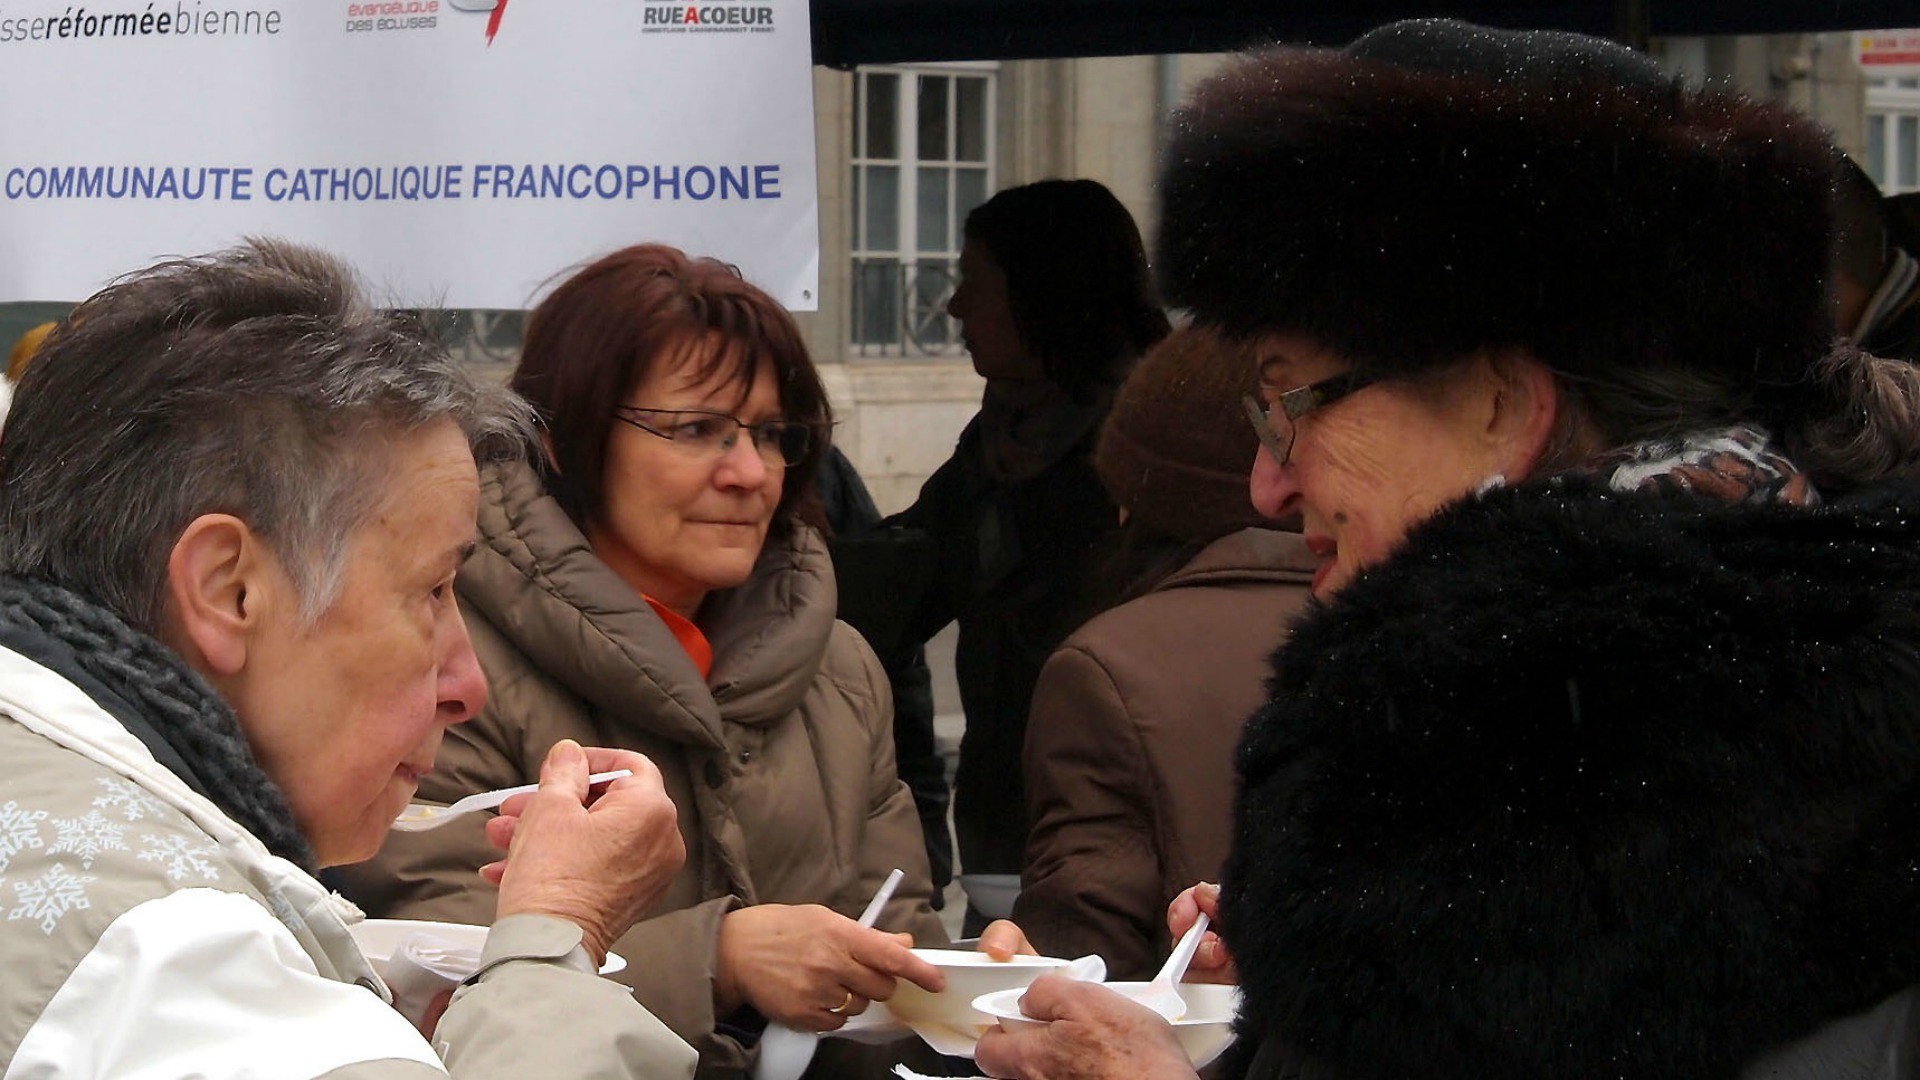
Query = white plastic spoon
x=419 y=816
x=1162 y=994
x=785 y=1052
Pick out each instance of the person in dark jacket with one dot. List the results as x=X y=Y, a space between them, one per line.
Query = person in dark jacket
x=1599 y=755
x=1055 y=304
x=850 y=511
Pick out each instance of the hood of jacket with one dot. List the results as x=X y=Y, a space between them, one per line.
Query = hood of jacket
x=1582 y=784
x=534 y=577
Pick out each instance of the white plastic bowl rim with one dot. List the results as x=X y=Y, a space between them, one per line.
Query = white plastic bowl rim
x=957 y=958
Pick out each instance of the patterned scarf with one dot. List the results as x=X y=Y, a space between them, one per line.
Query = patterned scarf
x=1733 y=464
x=171 y=698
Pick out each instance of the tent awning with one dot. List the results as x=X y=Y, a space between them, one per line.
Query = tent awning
x=850 y=32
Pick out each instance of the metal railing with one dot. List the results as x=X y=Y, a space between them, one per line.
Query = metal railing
x=899 y=309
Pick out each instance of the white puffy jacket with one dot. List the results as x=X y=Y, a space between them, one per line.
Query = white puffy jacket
x=146 y=934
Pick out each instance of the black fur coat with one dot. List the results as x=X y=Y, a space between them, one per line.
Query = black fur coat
x=1583 y=784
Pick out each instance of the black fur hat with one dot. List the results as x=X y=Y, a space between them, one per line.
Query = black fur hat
x=1437 y=188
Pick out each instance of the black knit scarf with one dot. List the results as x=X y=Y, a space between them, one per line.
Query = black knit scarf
x=144 y=684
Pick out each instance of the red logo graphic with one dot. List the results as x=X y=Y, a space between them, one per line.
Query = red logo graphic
x=495 y=9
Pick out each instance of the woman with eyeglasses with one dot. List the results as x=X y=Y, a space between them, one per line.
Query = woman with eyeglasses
x=1599 y=755
x=656 y=586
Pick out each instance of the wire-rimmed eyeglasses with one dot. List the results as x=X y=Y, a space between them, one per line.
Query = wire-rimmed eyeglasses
x=699 y=432
x=1275 y=424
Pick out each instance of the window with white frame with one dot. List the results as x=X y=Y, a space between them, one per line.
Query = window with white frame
x=922 y=158
x=1893 y=134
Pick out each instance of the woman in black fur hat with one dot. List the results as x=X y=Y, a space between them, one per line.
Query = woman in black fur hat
x=1600 y=754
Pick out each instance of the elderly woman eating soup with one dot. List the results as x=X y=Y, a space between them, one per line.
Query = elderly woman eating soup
x=1599 y=754
x=235 y=494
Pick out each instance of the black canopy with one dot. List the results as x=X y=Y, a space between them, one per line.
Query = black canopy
x=849 y=32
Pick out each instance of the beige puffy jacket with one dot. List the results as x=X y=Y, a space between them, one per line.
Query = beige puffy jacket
x=781 y=763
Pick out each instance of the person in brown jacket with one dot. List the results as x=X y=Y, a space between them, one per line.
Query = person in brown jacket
x=1129 y=747
x=655 y=589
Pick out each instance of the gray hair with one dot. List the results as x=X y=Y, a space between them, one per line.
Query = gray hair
x=256 y=382
x=1871 y=430
x=1853 y=421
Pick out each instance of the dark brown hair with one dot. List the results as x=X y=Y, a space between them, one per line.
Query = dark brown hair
x=1077 y=277
x=606 y=328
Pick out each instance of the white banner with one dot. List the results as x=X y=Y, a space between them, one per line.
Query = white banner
x=459 y=152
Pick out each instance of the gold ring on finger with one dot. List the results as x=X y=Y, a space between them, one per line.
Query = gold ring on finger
x=841 y=1009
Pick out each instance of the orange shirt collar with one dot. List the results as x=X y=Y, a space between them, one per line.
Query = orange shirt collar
x=698 y=648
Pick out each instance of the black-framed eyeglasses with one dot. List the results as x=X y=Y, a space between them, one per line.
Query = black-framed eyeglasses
x=710 y=434
x=1275 y=423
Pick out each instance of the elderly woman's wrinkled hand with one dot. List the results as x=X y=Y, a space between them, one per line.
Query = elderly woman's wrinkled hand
x=1212 y=963
x=810 y=967
x=598 y=864
x=1093 y=1034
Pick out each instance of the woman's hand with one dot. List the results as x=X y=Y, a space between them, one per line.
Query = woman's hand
x=1211 y=961
x=1094 y=1034
x=1002 y=940
x=809 y=967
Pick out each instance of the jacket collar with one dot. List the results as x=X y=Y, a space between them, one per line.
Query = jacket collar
x=1249 y=555
x=536 y=578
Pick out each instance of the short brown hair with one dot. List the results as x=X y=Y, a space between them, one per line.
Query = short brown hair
x=604 y=330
